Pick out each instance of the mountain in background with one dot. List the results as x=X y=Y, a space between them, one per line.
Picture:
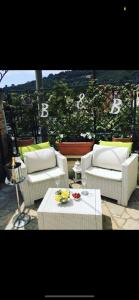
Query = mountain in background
x=80 y=78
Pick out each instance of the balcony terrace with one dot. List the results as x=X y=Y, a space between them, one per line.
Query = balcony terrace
x=22 y=115
x=113 y=216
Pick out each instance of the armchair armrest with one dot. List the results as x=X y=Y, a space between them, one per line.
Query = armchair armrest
x=129 y=173
x=86 y=162
x=62 y=164
x=23 y=166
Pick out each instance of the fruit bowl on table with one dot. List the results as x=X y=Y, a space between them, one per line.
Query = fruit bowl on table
x=75 y=196
x=62 y=196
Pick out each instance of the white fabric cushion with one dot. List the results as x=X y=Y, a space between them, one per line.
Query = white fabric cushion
x=105 y=173
x=109 y=157
x=45 y=175
x=40 y=160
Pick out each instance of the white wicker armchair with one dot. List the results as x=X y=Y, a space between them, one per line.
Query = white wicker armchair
x=112 y=171
x=38 y=181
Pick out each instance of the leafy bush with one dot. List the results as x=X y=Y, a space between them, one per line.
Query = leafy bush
x=70 y=119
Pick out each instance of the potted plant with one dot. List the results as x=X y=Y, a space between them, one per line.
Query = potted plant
x=67 y=125
x=24 y=132
x=25 y=141
x=77 y=146
x=125 y=138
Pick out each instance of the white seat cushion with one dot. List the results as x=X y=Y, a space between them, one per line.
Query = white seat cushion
x=105 y=173
x=40 y=160
x=45 y=175
x=109 y=157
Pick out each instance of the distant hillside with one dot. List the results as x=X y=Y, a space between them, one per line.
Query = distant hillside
x=80 y=78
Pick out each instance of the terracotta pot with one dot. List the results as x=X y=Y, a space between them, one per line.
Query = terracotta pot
x=25 y=142
x=124 y=140
x=75 y=148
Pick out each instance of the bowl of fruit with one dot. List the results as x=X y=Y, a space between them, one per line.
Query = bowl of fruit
x=76 y=196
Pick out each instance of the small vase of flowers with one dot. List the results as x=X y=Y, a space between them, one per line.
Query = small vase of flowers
x=62 y=196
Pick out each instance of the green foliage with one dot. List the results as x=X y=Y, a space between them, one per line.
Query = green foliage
x=137 y=126
x=68 y=120
x=64 y=116
x=23 y=110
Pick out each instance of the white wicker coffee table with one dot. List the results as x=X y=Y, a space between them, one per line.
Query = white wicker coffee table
x=83 y=214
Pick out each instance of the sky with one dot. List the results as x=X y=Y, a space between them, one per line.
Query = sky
x=19 y=77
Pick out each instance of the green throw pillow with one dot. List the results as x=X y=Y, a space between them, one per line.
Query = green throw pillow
x=33 y=147
x=117 y=144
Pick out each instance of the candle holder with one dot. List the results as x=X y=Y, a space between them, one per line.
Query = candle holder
x=77 y=171
x=14 y=176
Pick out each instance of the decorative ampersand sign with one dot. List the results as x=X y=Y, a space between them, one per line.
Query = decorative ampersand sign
x=80 y=102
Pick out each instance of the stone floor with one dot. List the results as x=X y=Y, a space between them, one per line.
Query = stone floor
x=114 y=216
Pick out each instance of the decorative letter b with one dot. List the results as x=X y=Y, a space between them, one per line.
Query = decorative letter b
x=116 y=106
x=44 y=112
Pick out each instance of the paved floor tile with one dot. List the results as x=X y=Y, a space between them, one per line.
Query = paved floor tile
x=120 y=222
x=125 y=215
x=115 y=209
x=133 y=213
x=114 y=216
x=131 y=224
